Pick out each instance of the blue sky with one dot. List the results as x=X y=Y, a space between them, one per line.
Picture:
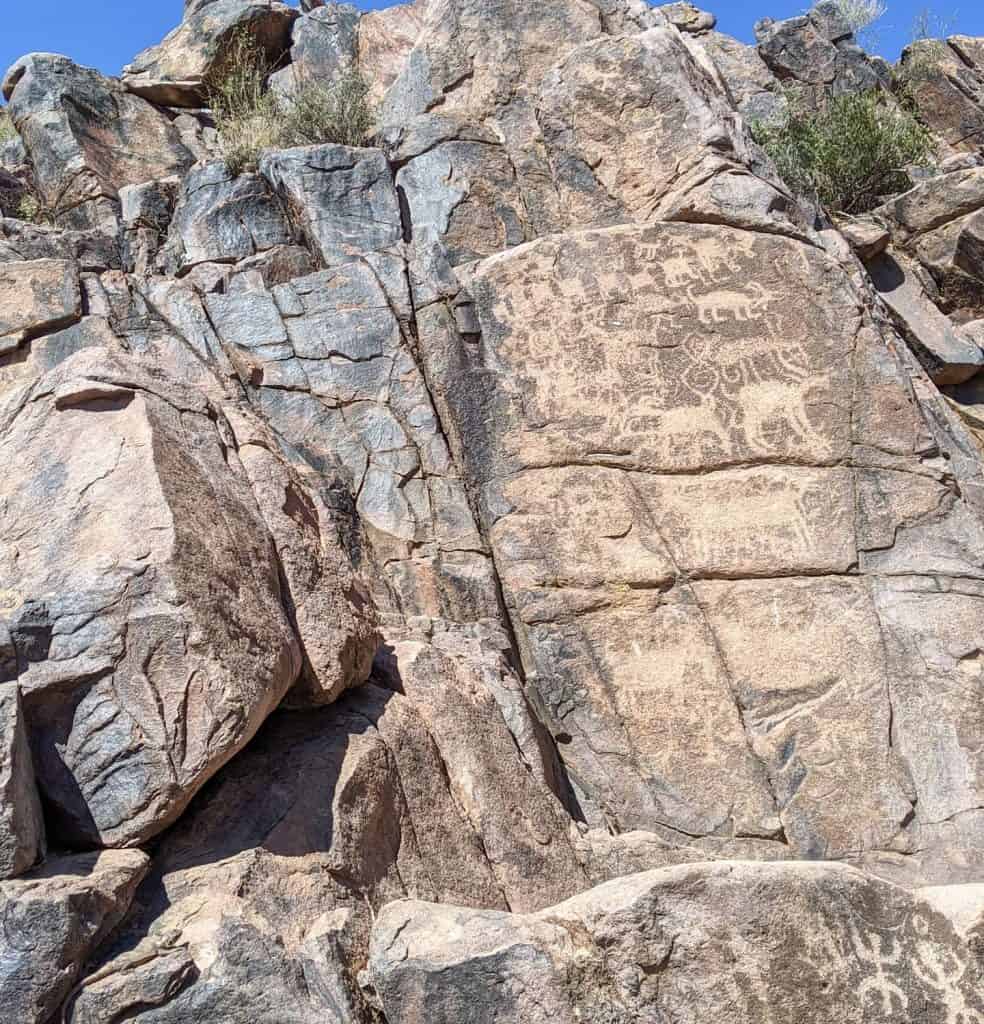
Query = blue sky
x=108 y=33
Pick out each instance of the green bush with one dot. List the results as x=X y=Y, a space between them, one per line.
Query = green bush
x=251 y=119
x=850 y=153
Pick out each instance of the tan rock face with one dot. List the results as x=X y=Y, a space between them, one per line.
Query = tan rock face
x=36 y=297
x=748 y=942
x=695 y=531
x=385 y=39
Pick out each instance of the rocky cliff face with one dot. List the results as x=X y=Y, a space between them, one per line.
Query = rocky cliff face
x=531 y=569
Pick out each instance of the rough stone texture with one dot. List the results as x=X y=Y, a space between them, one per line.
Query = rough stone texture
x=755 y=943
x=36 y=297
x=87 y=137
x=687 y=18
x=327 y=600
x=939 y=222
x=367 y=808
x=21 y=822
x=324 y=43
x=222 y=219
x=146 y=613
x=949 y=357
x=817 y=52
x=53 y=920
x=560 y=419
x=946 y=82
x=343 y=198
x=177 y=71
x=752 y=87
x=385 y=40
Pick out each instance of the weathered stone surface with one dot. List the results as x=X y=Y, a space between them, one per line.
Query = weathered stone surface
x=817 y=51
x=222 y=219
x=88 y=137
x=948 y=356
x=342 y=198
x=945 y=79
x=753 y=88
x=687 y=18
x=681 y=154
x=867 y=236
x=36 y=297
x=711 y=405
x=327 y=600
x=53 y=921
x=261 y=899
x=385 y=40
x=747 y=942
x=176 y=72
x=324 y=43
x=329 y=362
x=939 y=223
x=21 y=822
x=146 y=613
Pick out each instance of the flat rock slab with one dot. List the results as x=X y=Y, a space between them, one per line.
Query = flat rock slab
x=695 y=944
x=948 y=356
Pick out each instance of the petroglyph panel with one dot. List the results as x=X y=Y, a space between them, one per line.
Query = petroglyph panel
x=670 y=348
x=640 y=689
x=817 y=709
x=762 y=521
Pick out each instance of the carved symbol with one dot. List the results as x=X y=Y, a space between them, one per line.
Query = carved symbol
x=722 y=304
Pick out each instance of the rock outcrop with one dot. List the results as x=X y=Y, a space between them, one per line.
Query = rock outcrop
x=527 y=567
x=725 y=942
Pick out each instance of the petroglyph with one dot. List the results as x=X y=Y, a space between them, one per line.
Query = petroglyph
x=722 y=303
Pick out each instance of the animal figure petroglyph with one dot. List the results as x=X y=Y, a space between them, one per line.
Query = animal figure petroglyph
x=723 y=304
x=771 y=407
x=680 y=271
x=700 y=426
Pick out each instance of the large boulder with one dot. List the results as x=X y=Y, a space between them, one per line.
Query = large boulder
x=87 y=137
x=178 y=71
x=945 y=80
x=324 y=45
x=145 y=603
x=816 y=53
x=53 y=921
x=732 y=942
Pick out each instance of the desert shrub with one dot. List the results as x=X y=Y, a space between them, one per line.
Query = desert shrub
x=250 y=119
x=339 y=112
x=848 y=154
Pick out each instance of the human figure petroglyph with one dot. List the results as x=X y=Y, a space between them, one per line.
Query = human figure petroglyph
x=724 y=304
x=879 y=989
